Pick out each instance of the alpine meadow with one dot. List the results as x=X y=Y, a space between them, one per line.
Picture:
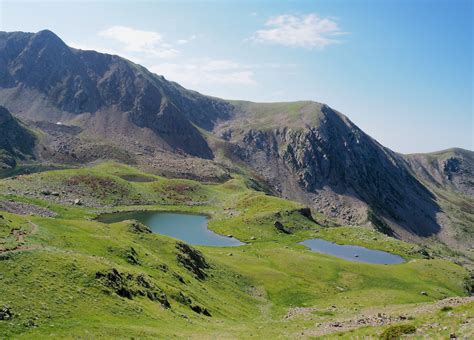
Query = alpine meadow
x=132 y=207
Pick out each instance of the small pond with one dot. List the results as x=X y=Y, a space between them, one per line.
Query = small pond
x=186 y=227
x=352 y=253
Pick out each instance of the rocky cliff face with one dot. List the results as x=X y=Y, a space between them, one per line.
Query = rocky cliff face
x=16 y=141
x=338 y=169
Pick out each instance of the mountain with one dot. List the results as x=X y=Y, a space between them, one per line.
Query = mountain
x=452 y=168
x=311 y=153
x=43 y=79
x=90 y=106
x=16 y=141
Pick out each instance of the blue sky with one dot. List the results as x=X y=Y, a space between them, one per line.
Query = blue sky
x=401 y=70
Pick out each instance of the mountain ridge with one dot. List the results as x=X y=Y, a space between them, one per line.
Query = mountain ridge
x=304 y=151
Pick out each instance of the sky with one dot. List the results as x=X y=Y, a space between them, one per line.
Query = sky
x=401 y=70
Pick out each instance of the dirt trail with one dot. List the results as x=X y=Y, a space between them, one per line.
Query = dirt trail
x=21 y=238
x=384 y=317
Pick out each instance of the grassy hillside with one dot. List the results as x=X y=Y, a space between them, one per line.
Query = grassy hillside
x=64 y=274
x=270 y=115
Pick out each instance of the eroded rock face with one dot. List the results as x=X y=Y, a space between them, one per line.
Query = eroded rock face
x=335 y=163
x=193 y=260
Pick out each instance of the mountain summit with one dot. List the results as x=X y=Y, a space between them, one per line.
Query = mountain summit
x=92 y=106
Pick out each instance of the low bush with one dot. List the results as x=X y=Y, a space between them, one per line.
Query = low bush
x=396 y=331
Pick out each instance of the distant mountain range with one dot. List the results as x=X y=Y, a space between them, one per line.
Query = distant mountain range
x=82 y=106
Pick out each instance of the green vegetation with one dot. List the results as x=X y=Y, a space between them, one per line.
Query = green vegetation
x=469 y=283
x=395 y=332
x=291 y=114
x=72 y=276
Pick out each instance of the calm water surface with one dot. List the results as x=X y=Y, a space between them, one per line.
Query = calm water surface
x=352 y=253
x=186 y=227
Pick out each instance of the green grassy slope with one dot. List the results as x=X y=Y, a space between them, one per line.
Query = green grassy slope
x=52 y=286
x=270 y=115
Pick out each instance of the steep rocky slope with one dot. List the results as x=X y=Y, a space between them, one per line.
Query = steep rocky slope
x=43 y=79
x=314 y=154
x=92 y=106
x=16 y=141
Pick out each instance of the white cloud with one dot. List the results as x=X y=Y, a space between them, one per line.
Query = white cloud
x=139 y=41
x=102 y=49
x=310 y=31
x=205 y=72
x=187 y=40
x=147 y=48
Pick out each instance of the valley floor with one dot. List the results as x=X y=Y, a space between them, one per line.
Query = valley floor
x=63 y=274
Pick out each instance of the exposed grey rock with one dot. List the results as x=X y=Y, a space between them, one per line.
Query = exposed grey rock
x=192 y=259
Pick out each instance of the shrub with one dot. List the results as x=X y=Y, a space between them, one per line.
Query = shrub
x=396 y=331
x=469 y=283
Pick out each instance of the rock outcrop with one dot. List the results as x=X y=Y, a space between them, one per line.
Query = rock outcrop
x=193 y=260
x=129 y=286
